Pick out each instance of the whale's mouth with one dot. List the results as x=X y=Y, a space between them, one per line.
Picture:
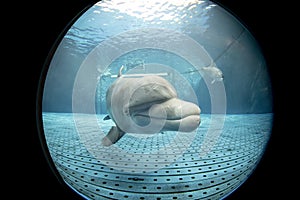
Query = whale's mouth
x=185 y=124
x=175 y=115
x=159 y=117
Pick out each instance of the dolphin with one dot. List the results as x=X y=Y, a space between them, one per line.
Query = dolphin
x=213 y=72
x=147 y=104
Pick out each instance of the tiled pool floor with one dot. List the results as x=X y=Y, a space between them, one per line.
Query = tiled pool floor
x=161 y=166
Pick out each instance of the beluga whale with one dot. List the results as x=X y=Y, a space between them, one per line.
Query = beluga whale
x=146 y=104
x=213 y=72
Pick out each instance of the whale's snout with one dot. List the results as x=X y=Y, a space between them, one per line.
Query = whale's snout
x=185 y=115
x=176 y=114
x=190 y=123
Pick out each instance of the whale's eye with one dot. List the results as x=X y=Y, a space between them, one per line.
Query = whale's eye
x=100 y=67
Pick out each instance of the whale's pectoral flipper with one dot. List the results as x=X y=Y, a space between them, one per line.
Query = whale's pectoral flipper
x=114 y=134
x=107 y=117
x=120 y=71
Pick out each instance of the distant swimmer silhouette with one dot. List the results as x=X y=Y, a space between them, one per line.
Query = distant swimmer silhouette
x=213 y=72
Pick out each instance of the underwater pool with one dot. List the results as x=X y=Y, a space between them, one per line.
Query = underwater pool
x=151 y=69
x=167 y=175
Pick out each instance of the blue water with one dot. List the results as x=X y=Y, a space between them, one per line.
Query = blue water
x=155 y=166
x=184 y=37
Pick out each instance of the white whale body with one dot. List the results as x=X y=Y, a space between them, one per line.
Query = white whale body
x=147 y=104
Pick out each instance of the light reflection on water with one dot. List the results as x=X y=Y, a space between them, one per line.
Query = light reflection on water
x=109 y=18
